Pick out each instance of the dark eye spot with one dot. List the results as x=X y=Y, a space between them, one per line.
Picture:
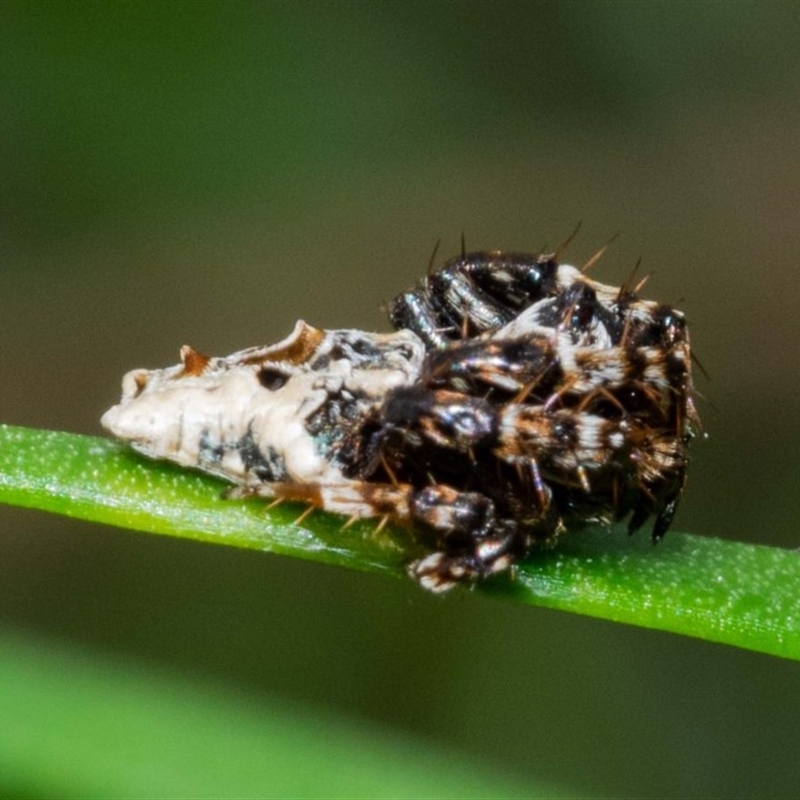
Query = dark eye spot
x=271 y=378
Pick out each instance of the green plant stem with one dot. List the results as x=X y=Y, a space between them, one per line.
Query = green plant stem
x=738 y=594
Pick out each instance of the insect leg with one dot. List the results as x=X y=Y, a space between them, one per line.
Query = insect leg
x=471 y=542
x=354 y=498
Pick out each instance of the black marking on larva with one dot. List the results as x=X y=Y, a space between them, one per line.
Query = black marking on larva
x=272 y=377
x=357 y=350
x=320 y=362
x=266 y=465
x=331 y=422
x=210 y=451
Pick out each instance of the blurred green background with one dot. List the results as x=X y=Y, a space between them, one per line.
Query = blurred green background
x=209 y=172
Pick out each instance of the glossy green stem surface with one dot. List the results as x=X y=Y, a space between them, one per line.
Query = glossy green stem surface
x=722 y=591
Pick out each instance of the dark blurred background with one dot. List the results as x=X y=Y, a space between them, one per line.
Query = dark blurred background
x=209 y=172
